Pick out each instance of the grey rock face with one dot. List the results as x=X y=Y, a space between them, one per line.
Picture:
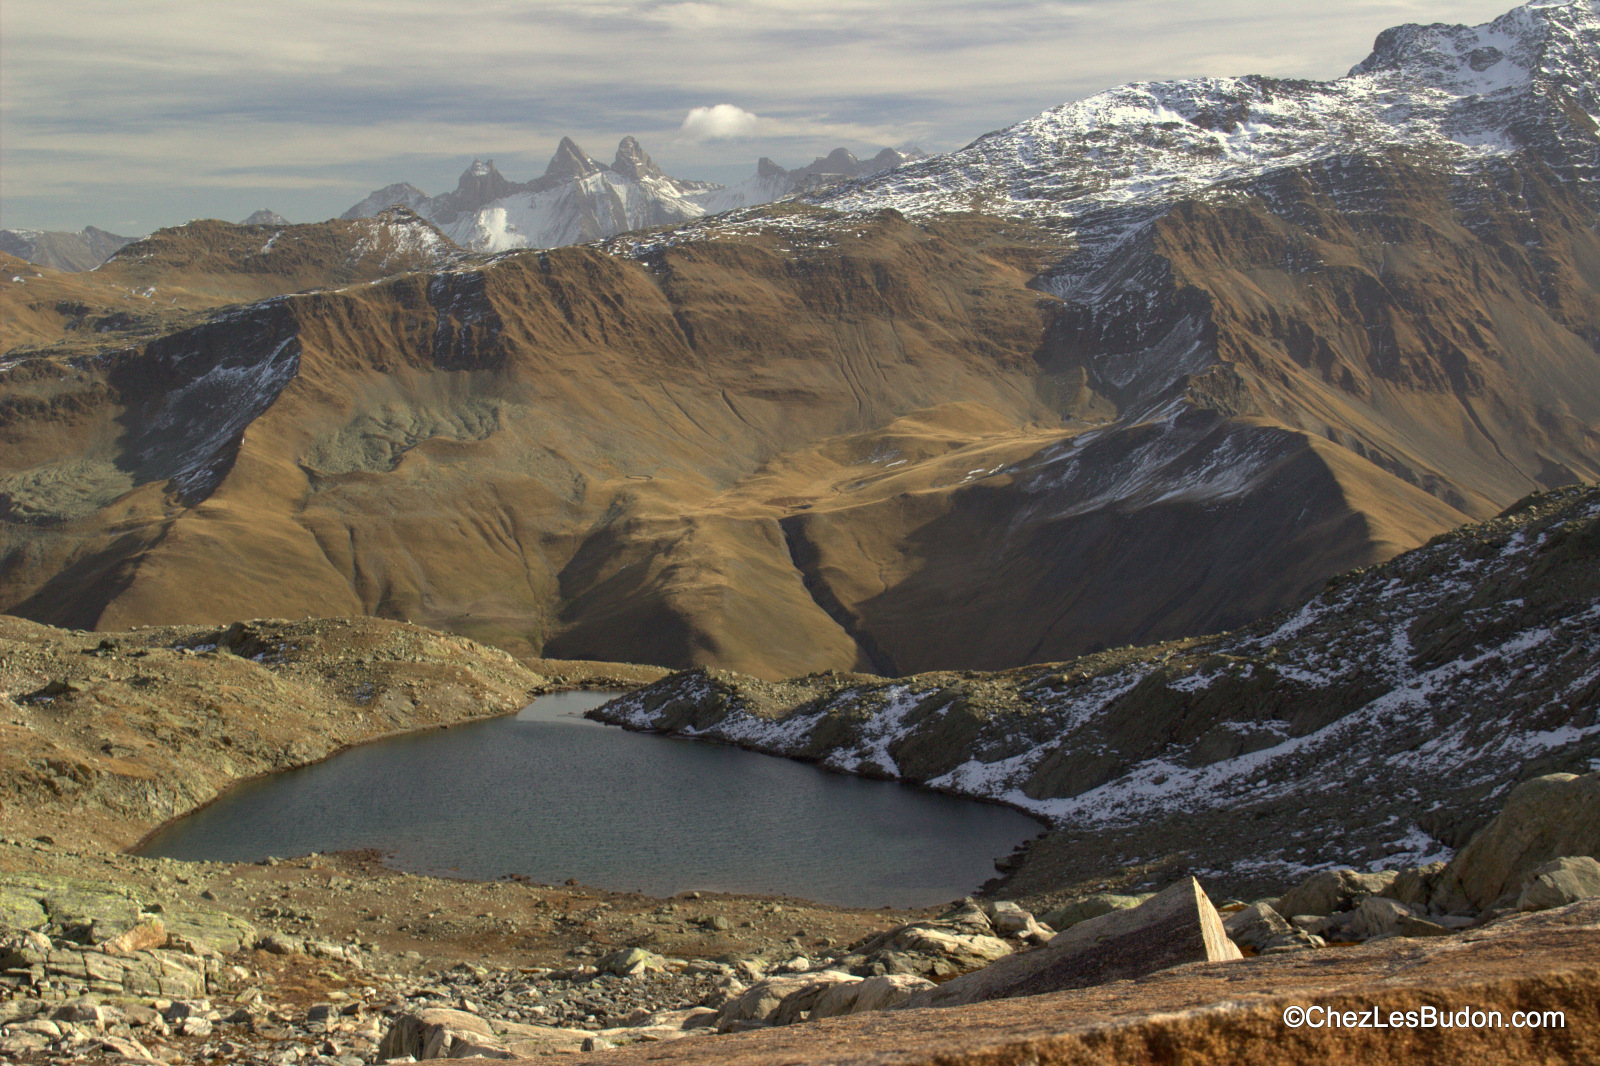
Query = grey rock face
x=1254 y=926
x=1331 y=891
x=1543 y=819
x=1173 y=927
x=1558 y=883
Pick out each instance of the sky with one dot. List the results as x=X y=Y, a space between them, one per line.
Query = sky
x=136 y=114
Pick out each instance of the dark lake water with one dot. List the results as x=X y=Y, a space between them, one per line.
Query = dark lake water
x=551 y=795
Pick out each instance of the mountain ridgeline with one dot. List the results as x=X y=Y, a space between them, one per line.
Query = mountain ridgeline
x=579 y=198
x=1151 y=365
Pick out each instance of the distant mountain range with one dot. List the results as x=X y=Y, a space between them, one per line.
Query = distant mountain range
x=579 y=198
x=59 y=250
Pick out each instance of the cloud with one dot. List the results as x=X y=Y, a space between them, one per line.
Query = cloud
x=718 y=123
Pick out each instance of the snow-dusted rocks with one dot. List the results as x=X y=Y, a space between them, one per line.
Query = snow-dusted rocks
x=1387 y=714
x=1108 y=165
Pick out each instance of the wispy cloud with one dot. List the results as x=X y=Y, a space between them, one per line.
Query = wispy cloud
x=172 y=108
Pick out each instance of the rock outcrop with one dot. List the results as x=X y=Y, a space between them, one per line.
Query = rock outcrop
x=1173 y=927
x=1219 y=1014
x=1544 y=819
x=961 y=940
x=1555 y=884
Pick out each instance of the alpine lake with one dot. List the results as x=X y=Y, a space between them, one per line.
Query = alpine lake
x=550 y=795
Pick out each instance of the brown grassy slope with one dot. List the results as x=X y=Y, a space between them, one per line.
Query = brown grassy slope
x=447 y=446
x=165 y=282
x=1429 y=350
x=824 y=443
x=223 y=262
x=1451 y=343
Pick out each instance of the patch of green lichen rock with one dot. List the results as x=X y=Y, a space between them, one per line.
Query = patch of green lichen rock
x=93 y=912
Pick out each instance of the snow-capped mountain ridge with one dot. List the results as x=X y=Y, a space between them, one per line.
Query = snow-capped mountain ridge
x=1470 y=94
x=579 y=198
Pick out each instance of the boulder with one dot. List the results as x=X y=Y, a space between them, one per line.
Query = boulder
x=873 y=993
x=1415 y=885
x=1010 y=919
x=798 y=1005
x=20 y=950
x=1171 y=928
x=962 y=952
x=439 y=1034
x=1544 y=818
x=759 y=1003
x=1331 y=891
x=958 y=941
x=1558 y=883
x=275 y=943
x=1254 y=926
x=1379 y=916
x=630 y=962
x=146 y=935
x=1293 y=940
x=1067 y=915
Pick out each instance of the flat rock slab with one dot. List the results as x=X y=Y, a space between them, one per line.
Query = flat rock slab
x=1227 y=1013
x=1175 y=927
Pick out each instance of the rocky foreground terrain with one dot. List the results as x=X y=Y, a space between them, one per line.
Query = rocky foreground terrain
x=340 y=960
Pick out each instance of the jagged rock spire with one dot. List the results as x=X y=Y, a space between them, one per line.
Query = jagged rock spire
x=480 y=184
x=633 y=162
x=571 y=162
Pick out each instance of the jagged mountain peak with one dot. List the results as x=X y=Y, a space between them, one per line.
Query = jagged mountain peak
x=634 y=162
x=1107 y=165
x=838 y=161
x=479 y=184
x=571 y=161
x=1549 y=41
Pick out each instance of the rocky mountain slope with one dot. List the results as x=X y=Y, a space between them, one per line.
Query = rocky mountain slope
x=84 y=250
x=1187 y=367
x=1382 y=722
x=172 y=280
x=579 y=198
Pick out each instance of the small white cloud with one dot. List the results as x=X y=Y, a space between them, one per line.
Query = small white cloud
x=718 y=123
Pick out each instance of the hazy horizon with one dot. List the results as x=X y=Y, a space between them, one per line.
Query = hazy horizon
x=136 y=115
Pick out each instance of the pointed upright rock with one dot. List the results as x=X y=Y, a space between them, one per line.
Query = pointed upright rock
x=1171 y=928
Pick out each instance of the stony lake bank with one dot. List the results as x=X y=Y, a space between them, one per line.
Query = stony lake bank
x=339 y=959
